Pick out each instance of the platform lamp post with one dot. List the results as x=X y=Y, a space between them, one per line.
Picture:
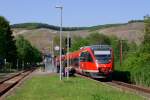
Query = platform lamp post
x=60 y=71
x=68 y=37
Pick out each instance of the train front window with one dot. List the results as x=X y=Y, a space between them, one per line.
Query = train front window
x=102 y=56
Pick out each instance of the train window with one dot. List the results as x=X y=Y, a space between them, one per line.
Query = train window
x=82 y=57
x=76 y=62
x=89 y=57
x=103 y=58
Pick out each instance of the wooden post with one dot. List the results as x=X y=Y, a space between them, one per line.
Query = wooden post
x=120 y=52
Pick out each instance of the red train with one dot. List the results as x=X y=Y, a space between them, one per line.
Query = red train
x=96 y=61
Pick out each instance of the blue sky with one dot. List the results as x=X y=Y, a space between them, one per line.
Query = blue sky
x=75 y=13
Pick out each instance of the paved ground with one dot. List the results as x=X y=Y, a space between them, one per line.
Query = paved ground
x=42 y=71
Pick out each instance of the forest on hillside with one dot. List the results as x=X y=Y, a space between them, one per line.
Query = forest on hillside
x=42 y=25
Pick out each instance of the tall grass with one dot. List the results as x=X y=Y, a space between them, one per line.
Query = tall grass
x=138 y=66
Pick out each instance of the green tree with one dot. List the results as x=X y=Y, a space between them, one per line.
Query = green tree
x=92 y=39
x=97 y=39
x=26 y=52
x=76 y=45
x=137 y=59
x=37 y=56
x=21 y=47
x=7 y=42
x=2 y=43
x=146 y=42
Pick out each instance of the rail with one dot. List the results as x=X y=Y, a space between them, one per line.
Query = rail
x=145 y=92
x=8 y=83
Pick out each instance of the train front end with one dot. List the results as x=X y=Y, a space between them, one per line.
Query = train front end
x=104 y=61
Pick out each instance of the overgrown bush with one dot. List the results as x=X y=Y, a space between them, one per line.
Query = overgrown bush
x=93 y=39
x=138 y=66
x=137 y=60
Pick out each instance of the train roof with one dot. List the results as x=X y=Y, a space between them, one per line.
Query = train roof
x=97 y=47
x=76 y=54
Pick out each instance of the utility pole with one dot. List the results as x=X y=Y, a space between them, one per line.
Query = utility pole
x=60 y=71
x=5 y=64
x=121 y=52
x=52 y=56
x=22 y=65
x=17 y=64
x=68 y=36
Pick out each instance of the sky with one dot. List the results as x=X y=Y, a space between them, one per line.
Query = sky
x=75 y=12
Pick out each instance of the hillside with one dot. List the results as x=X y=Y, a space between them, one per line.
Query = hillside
x=132 y=31
x=41 y=37
x=47 y=26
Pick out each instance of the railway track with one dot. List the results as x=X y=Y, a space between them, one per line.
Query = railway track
x=8 y=83
x=145 y=92
x=131 y=87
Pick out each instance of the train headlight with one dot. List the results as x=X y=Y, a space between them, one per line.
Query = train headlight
x=97 y=64
x=109 y=61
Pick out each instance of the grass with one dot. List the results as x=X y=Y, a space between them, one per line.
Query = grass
x=50 y=88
